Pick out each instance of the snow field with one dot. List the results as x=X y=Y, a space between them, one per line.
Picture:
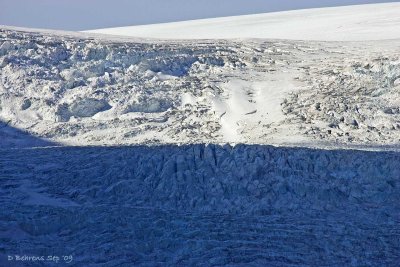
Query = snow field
x=344 y=23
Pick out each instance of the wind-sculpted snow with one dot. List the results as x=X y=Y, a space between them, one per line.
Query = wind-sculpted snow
x=81 y=89
x=201 y=205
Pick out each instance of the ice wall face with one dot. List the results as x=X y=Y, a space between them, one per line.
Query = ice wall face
x=198 y=204
x=82 y=89
x=74 y=88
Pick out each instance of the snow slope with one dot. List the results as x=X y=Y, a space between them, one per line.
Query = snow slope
x=348 y=23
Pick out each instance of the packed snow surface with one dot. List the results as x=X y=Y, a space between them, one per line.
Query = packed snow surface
x=347 y=23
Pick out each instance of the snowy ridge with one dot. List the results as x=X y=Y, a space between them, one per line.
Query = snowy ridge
x=345 y=23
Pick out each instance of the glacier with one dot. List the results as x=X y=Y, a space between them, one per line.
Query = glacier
x=127 y=151
x=201 y=205
x=84 y=89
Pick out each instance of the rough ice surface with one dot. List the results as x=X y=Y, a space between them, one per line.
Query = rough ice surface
x=80 y=89
x=197 y=205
